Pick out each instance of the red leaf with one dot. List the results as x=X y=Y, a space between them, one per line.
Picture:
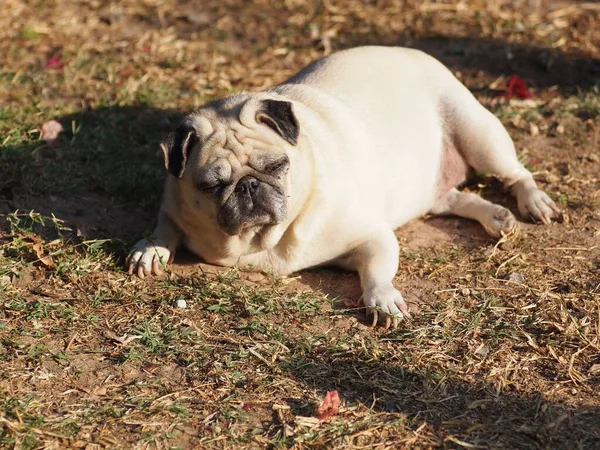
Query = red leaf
x=54 y=63
x=50 y=131
x=330 y=406
x=516 y=87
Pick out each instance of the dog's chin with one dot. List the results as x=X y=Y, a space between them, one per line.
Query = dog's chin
x=232 y=222
x=246 y=225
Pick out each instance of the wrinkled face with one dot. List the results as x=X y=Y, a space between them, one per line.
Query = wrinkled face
x=247 y=195
x=234 y=162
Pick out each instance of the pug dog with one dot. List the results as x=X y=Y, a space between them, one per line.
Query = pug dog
x=321 y=169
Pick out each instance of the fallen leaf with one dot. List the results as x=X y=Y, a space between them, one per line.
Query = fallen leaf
x=45 y=260
x=330 y=405
x=54 y=63
x=50 y=131
x=516 y=87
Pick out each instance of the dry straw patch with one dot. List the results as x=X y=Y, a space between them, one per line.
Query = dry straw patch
x=504 y=351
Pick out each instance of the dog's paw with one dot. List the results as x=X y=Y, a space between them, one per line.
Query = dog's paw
x=502 y=221
x=535 y=204
x=147 y=258
x=385 y=301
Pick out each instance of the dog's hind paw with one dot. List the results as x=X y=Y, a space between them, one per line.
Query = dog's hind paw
x=501 y=222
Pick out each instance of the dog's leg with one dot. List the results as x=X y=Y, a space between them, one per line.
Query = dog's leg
x=377 y=263
x=495 y=219
x=488 y=148
x=148 y=255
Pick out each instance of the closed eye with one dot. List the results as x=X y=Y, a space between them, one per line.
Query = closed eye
x=209 y=186
x=277 y=166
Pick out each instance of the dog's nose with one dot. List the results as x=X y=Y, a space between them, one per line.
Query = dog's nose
x=247 y=185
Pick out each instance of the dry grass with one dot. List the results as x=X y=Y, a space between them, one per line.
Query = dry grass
x=504 y=352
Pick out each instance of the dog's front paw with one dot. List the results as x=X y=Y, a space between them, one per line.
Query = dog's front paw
x=147 y=257
x=385 y=301
x=536 y=204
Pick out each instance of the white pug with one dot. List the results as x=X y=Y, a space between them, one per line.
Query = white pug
x=322 y=168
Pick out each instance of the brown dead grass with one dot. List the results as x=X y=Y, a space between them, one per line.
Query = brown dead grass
x=504 y=352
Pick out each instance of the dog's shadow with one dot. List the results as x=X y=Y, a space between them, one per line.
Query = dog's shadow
x=103 y=175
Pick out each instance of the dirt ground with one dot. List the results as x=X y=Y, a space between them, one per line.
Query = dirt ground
x=504 y=347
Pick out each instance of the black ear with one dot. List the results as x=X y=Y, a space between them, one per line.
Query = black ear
x=177 y=147
x=279 y=116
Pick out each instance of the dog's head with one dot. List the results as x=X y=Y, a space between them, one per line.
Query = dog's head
x=232 y=160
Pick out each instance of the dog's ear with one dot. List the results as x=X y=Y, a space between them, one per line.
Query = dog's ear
x=279 y=116
x=177 y=147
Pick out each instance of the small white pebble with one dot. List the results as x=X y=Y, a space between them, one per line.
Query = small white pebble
x=181 y=303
